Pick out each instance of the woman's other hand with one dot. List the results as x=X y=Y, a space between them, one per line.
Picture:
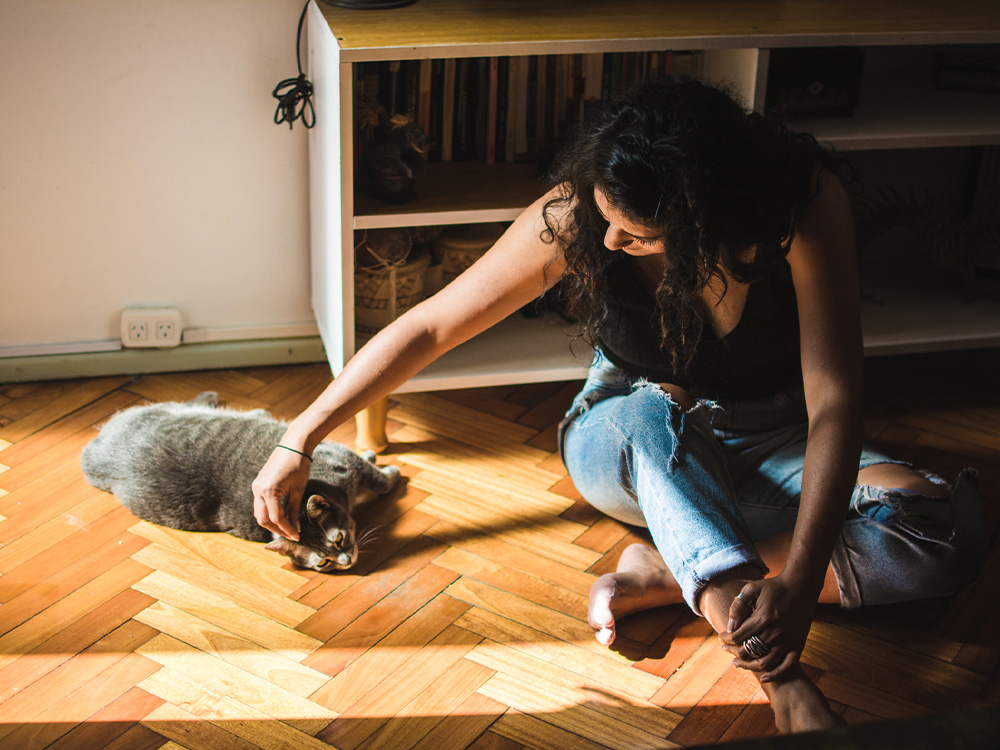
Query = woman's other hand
x=277 y=492
x=779 y=614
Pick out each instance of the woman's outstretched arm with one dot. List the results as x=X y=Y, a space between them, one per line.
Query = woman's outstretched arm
x=516 y=270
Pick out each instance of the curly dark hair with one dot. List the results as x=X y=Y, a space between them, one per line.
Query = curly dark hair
x=686 y=159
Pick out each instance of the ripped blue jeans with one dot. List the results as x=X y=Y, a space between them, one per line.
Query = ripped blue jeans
x=711 y=481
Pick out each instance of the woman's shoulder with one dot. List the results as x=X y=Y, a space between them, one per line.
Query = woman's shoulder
x=830 y=202
x=824 y=229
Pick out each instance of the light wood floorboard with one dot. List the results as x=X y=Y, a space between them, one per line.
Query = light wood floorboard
x=464 y=626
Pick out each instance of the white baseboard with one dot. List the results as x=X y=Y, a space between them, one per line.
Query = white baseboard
x=44 y=350
x=208 y=356
x=248 y=333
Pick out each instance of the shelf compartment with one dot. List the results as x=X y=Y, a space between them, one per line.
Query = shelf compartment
x=907 y=321
x=463 y=192
x=516 y=350
x=895 y=321
x=901 y=111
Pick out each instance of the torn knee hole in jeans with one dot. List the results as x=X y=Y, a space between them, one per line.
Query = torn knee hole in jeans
x=914 y=514
x=674 y=395
x=917 y=482
x=868 y=494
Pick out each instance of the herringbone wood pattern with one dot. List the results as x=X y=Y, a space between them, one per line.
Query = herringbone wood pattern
x=464 y=626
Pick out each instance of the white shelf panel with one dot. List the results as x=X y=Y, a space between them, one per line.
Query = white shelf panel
x=895 y=321
x=521 y=350
x=906 y=321
x=423 y=218
x=516 y=350
x=899 y=110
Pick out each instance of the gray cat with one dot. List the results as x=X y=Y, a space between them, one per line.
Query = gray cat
x=190 y=465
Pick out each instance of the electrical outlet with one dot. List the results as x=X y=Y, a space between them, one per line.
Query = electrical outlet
x=137 y=331
x=165 y=330
x=151 y=327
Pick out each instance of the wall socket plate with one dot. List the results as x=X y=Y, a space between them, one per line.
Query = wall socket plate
x=151 y=327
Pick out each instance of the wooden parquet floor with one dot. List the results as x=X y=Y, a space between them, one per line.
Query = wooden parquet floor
x=464 y=626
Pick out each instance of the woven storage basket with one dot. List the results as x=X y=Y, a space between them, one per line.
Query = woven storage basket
x=383 y=294
x=459 y=246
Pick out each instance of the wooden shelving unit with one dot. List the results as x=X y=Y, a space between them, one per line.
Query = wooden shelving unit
x=900 y=110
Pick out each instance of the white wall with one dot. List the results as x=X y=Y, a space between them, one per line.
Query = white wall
x=140 y=165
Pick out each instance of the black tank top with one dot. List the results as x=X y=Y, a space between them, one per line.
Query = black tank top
x=759 y=357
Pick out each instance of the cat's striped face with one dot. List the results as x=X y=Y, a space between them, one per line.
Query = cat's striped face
x=327 y=538
x=339 y=550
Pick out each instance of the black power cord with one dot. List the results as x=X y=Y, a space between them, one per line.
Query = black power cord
x=294 y=95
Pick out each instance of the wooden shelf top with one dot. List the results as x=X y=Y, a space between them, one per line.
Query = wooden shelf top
x=430 y=28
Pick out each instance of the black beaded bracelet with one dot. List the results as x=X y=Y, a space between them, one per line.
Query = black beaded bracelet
x=296 y=451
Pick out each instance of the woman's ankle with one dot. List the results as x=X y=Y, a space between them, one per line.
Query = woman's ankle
x=798 y=704
x=716 y=598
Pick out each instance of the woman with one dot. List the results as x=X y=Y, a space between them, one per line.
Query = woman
x=709 y=256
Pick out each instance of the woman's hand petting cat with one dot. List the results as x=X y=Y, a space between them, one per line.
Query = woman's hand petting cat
x=277 y=493
x=780 y=614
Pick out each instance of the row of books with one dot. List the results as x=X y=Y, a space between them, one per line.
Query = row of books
x=497 y=109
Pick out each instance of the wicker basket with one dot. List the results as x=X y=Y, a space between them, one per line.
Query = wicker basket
x=383 y=294
x=458 y=247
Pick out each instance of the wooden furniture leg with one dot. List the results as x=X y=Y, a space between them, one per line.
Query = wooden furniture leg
x=371 y=427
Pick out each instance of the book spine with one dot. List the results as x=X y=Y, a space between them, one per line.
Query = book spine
x=503 y=95
x=492 y=103
x=578 y=80
x=655 y=66
x=546 y=101
x=481 y=97
x=593 y=74
x=388 y=87
x=531 y=107
x=436 y=132
x=424 y=95
x=606 y=76
x=448 y=109
x=411 y=88
x=615 y=88
x=561 y=93
x=461 y=150
x=519 y=108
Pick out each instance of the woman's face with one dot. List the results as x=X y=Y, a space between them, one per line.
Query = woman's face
x=623 y=235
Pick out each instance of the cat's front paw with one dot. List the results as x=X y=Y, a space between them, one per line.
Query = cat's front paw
x=368 y=456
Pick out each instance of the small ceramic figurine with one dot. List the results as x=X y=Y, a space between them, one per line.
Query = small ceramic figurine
x=394 y=148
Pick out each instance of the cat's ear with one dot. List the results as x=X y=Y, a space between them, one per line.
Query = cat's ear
x=317 y=505
x=283 y=546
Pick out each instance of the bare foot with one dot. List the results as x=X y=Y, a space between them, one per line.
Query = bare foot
x=799 y=706
x=641 y=581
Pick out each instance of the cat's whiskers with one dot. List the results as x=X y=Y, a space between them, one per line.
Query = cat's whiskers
x=368 y=536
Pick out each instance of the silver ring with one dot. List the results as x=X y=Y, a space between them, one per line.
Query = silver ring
x=746 y=600
x=756 y=648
